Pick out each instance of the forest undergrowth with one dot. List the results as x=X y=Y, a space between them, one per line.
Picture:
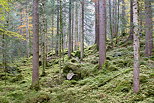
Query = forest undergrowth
x=112 y=84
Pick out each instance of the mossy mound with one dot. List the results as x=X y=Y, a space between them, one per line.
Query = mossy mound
x=38 y=98
x=74 y=68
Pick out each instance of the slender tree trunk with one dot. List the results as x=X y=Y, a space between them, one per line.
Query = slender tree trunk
x=110 y=18
x=131 y=21
x=53 y=24
x=57 y=36
x=102 y=32
x=82 y=36
x=61 y=33
x=72 y=26
x=52 y=44
x=69 y=30
x=35 y=70
x=136 y=47
x=76 y=27
x=114 y=26
x=27 y=31
x=97 y=23
x=118 y=12
x=21 y=21
x=148 y=28
x=123 y=17
x=44 y=43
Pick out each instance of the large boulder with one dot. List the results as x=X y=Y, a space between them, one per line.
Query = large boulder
x=72 y=68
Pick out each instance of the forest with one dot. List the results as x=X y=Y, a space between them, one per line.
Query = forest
x=76 y=51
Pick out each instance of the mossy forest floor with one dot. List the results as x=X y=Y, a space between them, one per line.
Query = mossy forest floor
x=112 y=84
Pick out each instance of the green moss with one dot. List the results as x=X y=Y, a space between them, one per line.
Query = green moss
x=4 y=99
x=138 y=97
x=126 y=62
x=143 y=78
x=38 y=98
x=123 y=86
x=18 y=94
x=69 y=82
x=94 y=61
x=16 y=78
x=77 y=54
x=113 y=68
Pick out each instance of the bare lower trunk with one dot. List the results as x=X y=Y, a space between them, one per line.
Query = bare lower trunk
x=57 y=36
x=131 y=21
x=136 y=47
x=35 y=70
x=76 y=27
x=102 y=32
x=148 y=28
x=69 y=30
x=27 y=32
x=82 y=36
x=96 y=23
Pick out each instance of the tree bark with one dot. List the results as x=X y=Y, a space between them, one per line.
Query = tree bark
x=44 y=59
x=102 y=32
x=27 y=32
x=123 y=17
x=57 y=35
x=35 y=70
x=148 y=29
x=76 y=27
x=110 y=19
x=69 y=30
x=97 y=23
x=82 y=34
x=131 y=21
x=136 y=47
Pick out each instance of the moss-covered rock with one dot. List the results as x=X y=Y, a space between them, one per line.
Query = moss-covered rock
x=72 y=67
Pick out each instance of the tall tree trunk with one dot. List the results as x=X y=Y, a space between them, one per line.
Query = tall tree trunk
x=35 y=70
x=44 y=59
x=110 y=19
x=123 y=17
x=53 y=24
x=76 y=26
x=118 y=12
x=131 y=21
x=72 y=27
x=21 y=21
x=82 y=34
x=69 y=30
x=114 y=16
x=57 y=36
x=61 y=33
x=52 y=44
x=97 y=23
x=102 y=32
x=27 y=31
x=136 y=47
x=148 y=28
